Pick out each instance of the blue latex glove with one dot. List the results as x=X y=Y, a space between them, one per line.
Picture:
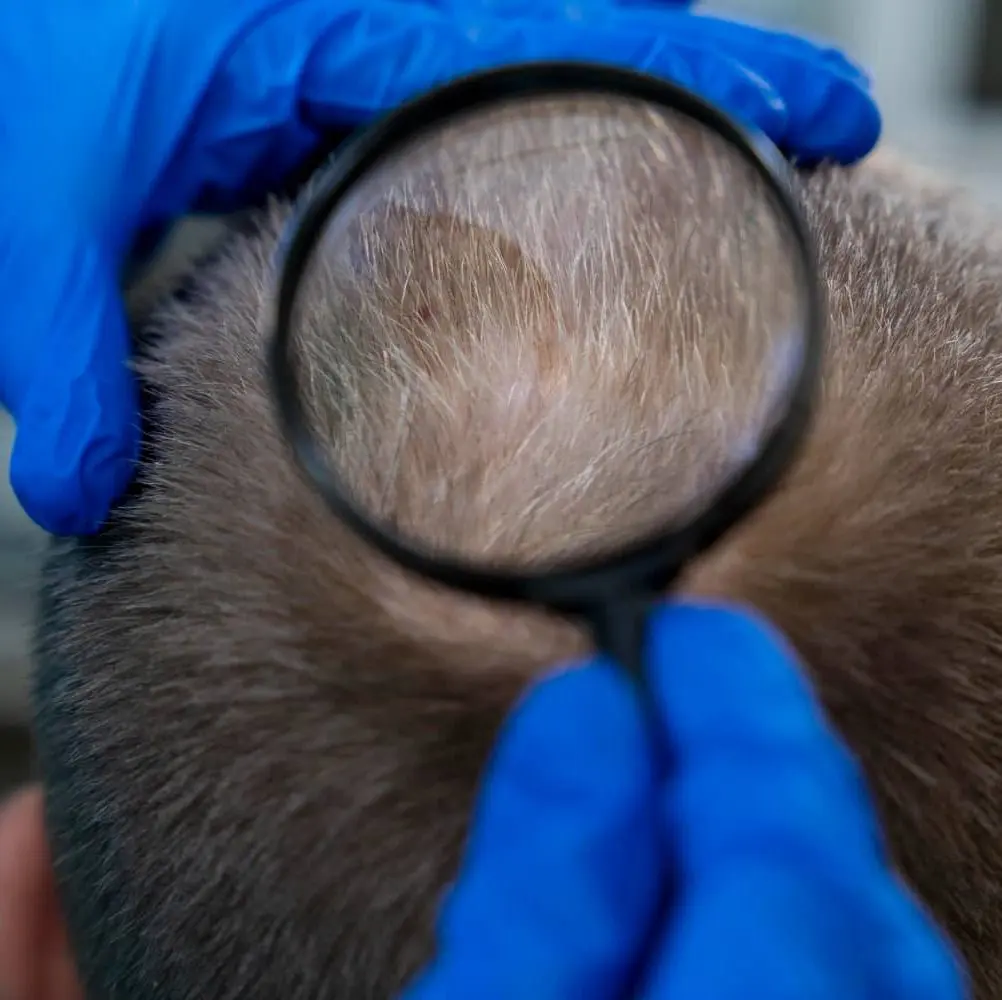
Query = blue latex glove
x=120 y=116
x=748 y=867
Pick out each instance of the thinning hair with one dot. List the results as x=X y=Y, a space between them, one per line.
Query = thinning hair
x=260 y=741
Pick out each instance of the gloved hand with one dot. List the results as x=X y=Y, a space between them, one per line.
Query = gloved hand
x=737 y=858
x=121 y=116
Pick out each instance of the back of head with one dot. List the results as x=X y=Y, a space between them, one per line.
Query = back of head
x=260 y=740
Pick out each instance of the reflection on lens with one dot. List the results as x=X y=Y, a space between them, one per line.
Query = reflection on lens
x=543 y=332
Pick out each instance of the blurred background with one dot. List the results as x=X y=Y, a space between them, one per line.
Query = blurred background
x=941 y=94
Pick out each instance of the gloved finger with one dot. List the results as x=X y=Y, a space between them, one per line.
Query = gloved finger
x=535 y=9
x=66 y=381
x=919 y=962
x=779 y=864
x=741 y=716
x=759 y=46
x=763 y=929
x=559 y=890
x=440 y=52
x=831 y=112
x=316 y=65
x=655 y=3
x=787 y=933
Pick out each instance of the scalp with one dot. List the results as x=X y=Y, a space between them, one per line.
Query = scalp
x=261 y=741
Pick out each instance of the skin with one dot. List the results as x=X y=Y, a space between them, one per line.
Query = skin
x=267 y=796
x=35 y=957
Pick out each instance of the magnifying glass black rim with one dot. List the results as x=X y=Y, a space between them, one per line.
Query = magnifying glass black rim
x=653 y=561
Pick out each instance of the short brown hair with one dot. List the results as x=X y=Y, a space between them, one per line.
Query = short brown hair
x=260 y=741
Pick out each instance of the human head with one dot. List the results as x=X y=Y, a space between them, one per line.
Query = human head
x=260 y=742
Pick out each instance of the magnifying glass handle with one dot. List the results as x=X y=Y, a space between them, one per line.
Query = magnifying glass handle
x=619 y=627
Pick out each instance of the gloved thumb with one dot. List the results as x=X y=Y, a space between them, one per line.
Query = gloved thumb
x=560 y=889
x=64 y=377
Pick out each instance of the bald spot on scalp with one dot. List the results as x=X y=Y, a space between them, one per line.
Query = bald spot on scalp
x=261 y=741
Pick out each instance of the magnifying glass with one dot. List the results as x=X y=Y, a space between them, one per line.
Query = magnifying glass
x=560 y=184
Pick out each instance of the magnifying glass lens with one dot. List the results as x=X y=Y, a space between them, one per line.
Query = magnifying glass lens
x=545 y=331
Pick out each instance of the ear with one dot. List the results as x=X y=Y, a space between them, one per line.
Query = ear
x=35 y=959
